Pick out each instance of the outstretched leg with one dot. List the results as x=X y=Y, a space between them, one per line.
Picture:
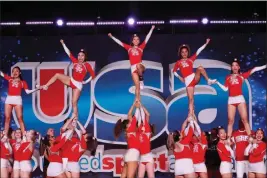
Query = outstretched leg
x=201 y=71
x=61 y=77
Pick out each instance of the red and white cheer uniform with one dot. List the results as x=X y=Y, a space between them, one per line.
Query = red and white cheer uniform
x=183 y=159
x=132 y=153
x=256 y=153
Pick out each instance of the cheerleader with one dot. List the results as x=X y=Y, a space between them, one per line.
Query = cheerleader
x=135 y=52
x=226 y=154
x=25 y=152
x=183 y=155
x=13 y=99
x=240 y=139
x=55 y=167
x=185 y=64
x=15 y=144
x=70 y=124
x=44 y=162
x=146 y=163
x=80 y=68
x=5 y=153
x=233 y=83
x=131 y=156
x=199 y=147
x=75 y=149
x=256 y=150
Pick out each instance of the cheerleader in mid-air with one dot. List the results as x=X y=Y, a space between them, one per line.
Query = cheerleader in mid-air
x=135 y=52
x=185 y=64
x=13 y=99
x=80 y=68
x=132 y=154
x=226 y=154
x=146 y=163
x=233 y=83
x=256 y=151
x=180 y=143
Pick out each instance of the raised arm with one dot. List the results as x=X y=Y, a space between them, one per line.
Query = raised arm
x=65 y=126
x=130 y=112
x=202 y=47
x=65 y=48
x=73 y=59
x=82 y=146
x=147 y=114
x=115 y=39
x=255 y=69
x=198 y=129
x=188 y=136
x=149 y=34
x=2 y=74
x=81 y=127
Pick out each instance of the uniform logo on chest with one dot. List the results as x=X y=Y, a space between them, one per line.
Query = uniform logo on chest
x=78 y=68
x=134 y=52
x=15 y=83
x=241 y=138
x=184 y=64
x=234 y=80
x=195 y=149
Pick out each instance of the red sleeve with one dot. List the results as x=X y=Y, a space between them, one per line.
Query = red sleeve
x=90 y=69
x=259 y=150
x=226 y=81
x=246 y=74
x=83 y=143
x=7 y=77
x=12 y=141
x=176 y=66
x=147 y=127
x=25 y=85
x=143 y=45
x=126 y=46
x=58 y=138
x=59 y=145
x=223 y=150
x=187 y=139
x=73 y=59
x=194 y=57
x=204 y=139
